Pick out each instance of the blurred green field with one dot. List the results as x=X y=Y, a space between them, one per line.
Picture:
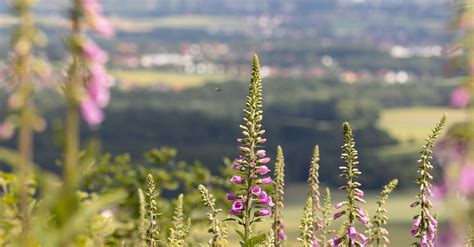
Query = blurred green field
x=146 y=24
x=143 y=78
x=414 y=124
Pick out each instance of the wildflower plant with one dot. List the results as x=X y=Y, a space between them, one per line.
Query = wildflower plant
x=425 y=224
x=306 y=225
x=181 y=226
x=216 y=228
x=355 y=195
x=378 y=234
x=25 y=37
x=278 y=194
x=149 y=213
x=313 y=182
x=326 y=218
x=250 y=203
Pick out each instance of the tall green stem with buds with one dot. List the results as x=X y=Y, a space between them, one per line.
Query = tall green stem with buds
x=23 y=41
x=278 y=195
x=425 y=225
x=313 y=181
x=326 y=218
x=149 y=213
x=251 y=202
x=378 y=234
x=216 y=229
x=354 y=195
x=306 y=225
x=181 y=226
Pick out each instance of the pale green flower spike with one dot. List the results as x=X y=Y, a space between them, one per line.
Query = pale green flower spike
x=149 y=213
x=180 y=226
x=326 y=218
x=278 y=195
x=217 y=230
x=306 y=225
x=378 y=235
x=313 y=181
x=425 y=225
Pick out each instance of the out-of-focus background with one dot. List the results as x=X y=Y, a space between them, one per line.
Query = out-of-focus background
x=181 y=69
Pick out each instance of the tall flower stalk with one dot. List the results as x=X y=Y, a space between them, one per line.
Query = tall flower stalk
x=87 y=87
x=313 y=181
x=278 y=194
x=217 y=229
x=306 y=225
x=24 y=39
x=425 y=225
x=181 y=226
x=326 y=218
x=251 y=202
x=149 y=213
x=355 y=195
x=378 y=234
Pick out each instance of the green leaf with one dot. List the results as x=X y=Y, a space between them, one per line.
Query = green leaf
x=241 y=234
x=255 y=240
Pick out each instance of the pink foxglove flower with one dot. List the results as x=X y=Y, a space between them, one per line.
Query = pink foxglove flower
x=264 y=212
x=236 y=179
x=466 y=180
x=415 y=226
x=94 y=53
x=460 y=97
x=337 y=215
x=339 y=205
x=335 y=241
x=267 y=180
x=261 y=153
x=363 y=238
x=264 y=160
x=91 y=112
x=256 y=190
x=103 y=27
x=237 y=207
x=363 y=220
x=352 y=233
x=262 y=170
x=98 y=85
x=282 y=235
x=231 y=197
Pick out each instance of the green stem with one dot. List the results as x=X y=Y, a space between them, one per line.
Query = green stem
x=72 y=139
x=25 y=140
x=25 y=136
